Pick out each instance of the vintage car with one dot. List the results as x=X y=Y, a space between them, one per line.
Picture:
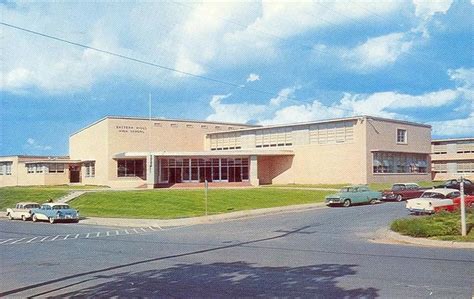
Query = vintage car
x=53 y=212
x=455 y=184
x=350 y=195
x=402 y=191
x=433 y=200
x=22 y=210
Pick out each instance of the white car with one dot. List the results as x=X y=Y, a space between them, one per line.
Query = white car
x=22 y=210
x=432 y=201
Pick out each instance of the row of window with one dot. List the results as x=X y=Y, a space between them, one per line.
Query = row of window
x=225 y=141
x=459 y=167
x=45 y=168
x=330 y=133
x=460 y=148
x=190 y=126
x=392 y=162
x=131 y=168
x=199 y=170
x=6 y=168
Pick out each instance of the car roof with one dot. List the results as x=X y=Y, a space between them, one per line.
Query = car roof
x=443 y=191
x=55 y=204
x=27 y=203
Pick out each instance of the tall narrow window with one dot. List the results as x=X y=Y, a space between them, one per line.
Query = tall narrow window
x=401 y=136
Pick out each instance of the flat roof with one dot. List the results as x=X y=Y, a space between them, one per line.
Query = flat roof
x=163 y=119
x=53 y=161
x=34 y=157
x=251 y=152
x=326 y=121
x=453 y=139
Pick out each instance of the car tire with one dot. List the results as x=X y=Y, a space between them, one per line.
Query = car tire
x=399 y=198
x=34 y=218
x=373 y=201
x=346 y=203
x=23 y=217
x=51 y=220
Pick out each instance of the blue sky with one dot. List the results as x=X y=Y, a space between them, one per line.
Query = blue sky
x=291 y=62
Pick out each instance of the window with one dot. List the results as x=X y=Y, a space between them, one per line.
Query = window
x=6 y=168
x=35 y=168
x=401 y=136
x=90 y=169
x=393 y=162
x=131 y=168
x=189 y=126
x=56 y=168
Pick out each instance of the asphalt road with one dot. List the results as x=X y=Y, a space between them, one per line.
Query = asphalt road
x=320 y=253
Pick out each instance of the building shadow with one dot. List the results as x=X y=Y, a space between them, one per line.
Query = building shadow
x=222 y=280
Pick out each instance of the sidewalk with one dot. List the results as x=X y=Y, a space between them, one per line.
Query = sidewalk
x=130 y=222
x=386 y=235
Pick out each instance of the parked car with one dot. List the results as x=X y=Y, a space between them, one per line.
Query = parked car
x=433 y=200
x=468 y=202
x=53 y=212
x=22 y=210
x=403 y=191
x=350 y=195
x=455 y=184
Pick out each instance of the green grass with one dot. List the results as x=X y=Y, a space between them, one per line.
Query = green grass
x=442 y=226
x=169 y=204
x=373 y=186
x=9 y=196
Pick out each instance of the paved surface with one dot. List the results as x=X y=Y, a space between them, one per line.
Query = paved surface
x=317 y=253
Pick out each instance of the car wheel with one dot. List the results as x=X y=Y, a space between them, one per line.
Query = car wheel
x=34 y=218
x=23 y=217
x=373 y=201
x=346 y=203
x=51 y=220
x=399 y=197
x=10 y=216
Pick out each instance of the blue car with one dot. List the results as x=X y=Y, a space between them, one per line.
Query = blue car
x=53 y=212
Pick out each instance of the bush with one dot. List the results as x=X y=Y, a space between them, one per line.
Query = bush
x=442 y=224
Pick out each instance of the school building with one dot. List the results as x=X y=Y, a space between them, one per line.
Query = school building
x=138 y=152
x=452 y=158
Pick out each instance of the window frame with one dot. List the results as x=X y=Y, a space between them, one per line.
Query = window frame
x=405 y=136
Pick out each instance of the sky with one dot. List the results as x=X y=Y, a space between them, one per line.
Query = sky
x=258 y=62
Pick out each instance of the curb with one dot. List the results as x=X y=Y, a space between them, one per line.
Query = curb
x=384 y=235
x=130 y=222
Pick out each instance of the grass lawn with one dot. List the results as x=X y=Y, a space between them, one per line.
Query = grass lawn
x=168 y=204
x=442 y=226
x=9 y=196
x=373 y=186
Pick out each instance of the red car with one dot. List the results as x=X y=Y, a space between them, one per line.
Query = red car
x=403 y=191
x=456 y=205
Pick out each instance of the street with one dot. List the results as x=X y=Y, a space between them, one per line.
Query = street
x=318 y=253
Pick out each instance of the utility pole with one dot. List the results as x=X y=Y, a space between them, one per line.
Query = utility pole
x=463 y=208
x=206 y=187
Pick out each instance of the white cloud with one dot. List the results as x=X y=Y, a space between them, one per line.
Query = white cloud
x=427 y=8
x=33 y=145
x=378 y=52
x=253 y=77
x=454 y=127
x=241 y=113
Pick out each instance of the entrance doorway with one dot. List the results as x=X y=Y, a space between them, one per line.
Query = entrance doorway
x=74 y=174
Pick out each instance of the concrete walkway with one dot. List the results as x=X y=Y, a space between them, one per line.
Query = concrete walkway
x=386 y=235
x=130 y=222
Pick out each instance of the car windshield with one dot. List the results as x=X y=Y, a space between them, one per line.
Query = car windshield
x=432 y=195
x=398 y=187
x=59 y=207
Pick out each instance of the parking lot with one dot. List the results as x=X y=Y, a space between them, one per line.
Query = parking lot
x=318 y=253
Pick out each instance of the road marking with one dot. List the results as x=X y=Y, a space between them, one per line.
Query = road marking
x=108 y=233
x=87 y=236
x=135 y=230
x=19 y=240
x=55 y=238
x=31 y=240
x=126 y=231
x=76 y=236
x=66 y=237
x=151 y=227
x=98 y=234
x=117 y=233
x=44 y=238
x=6 y=241
x=143 y=229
